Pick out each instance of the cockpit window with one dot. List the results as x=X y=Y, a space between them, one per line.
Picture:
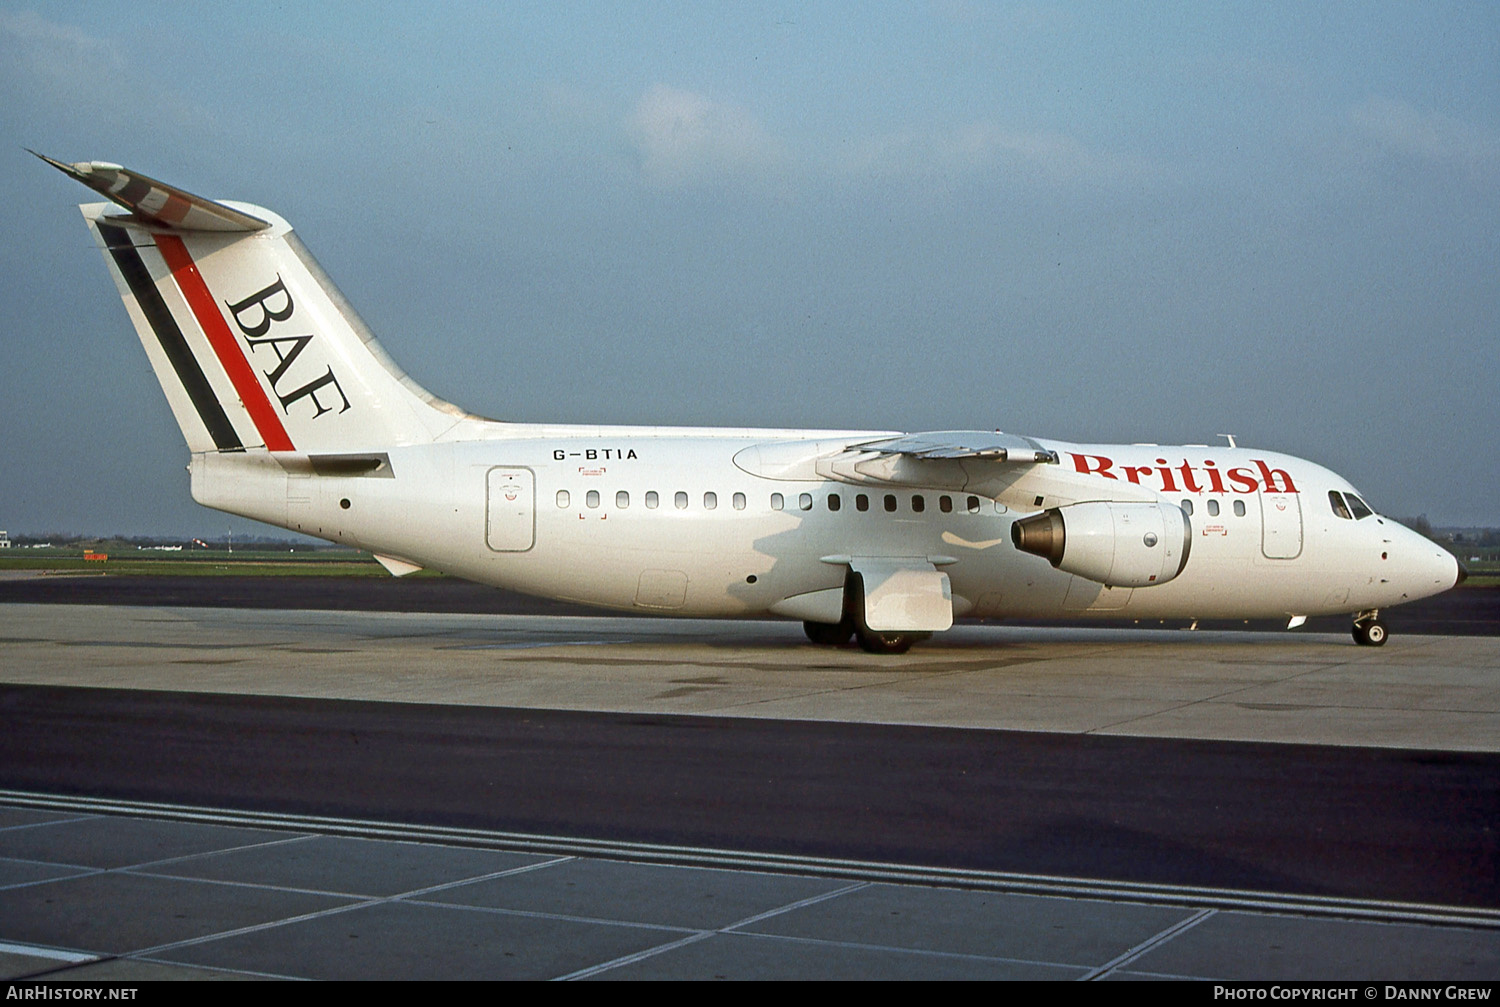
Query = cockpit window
x=1336 y=499
x=1360 y=508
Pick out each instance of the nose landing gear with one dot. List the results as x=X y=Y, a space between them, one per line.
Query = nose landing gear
x=1368 y=630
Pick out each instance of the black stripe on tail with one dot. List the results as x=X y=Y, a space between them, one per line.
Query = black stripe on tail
x=173 y=344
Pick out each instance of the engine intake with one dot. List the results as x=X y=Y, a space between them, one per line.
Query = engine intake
x=1117 y=544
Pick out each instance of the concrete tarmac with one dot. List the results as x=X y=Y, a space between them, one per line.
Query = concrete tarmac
x=1416 y=692
x=93 y=898
x=86 y=895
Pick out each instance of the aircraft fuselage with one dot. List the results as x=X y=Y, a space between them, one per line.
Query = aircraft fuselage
x=658 y=520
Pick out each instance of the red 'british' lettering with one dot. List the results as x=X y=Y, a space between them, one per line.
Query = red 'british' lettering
x=1188 y=482
x=1215 y=480
x=1168 y=484
x=1269 y=475
x=1165 y=476
x=1244 y=479
x=1081 y=463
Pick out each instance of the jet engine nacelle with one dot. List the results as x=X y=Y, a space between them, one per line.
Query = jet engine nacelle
x=1118 y=544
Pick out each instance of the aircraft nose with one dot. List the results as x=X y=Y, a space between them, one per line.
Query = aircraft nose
x=1423 y=568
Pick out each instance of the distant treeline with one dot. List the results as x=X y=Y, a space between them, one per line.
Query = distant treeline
x=1465 y=543
x=71 y=540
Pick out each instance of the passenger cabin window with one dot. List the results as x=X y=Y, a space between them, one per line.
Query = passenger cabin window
x=861 y=502
x=777 y=503
x=652 y=499
x=1336 y=501
x=593 y=498
x=945 y=504
x=973 y=505
x=710 y=500
x=1239 y=508
x=834 y=503
x=562 y=498
x=918 y=504
x=804 y=502
x=679 y=500
x=622 y=499
x=1213 y=508
x=739 y=501
x=890 y=502
x=1187 y=507
x=1358 y=506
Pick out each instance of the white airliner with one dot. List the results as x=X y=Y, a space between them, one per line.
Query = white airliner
x=295 y=416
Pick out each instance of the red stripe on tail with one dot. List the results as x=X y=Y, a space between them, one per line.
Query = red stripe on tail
x=206 y=310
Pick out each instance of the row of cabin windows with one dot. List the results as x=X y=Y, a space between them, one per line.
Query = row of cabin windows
x=1213 y=508
x=888 y=502
x=804 y=501
x=653 y=500
x=1354 y=509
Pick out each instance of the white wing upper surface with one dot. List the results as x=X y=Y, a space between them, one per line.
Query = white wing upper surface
x=1019 y=472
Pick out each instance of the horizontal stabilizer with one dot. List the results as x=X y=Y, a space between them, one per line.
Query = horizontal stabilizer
x=157 y=202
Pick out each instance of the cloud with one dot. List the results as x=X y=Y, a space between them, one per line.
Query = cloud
x=682 y=138
x=67 y=71
x=62 y=55
x=983 y=146
x=1402 y=128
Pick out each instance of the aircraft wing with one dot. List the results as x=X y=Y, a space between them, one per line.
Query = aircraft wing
x=991 y=446
x=1018 y=471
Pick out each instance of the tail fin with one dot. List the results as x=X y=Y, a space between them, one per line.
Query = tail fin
x=253 y=345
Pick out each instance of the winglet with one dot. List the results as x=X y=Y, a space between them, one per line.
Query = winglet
x=156 y=201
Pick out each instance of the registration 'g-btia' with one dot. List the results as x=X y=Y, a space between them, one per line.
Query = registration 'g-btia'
x=296 y=417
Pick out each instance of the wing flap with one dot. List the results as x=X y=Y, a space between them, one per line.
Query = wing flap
x=994 y=446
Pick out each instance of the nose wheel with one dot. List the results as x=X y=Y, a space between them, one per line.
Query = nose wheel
x=1369 y=631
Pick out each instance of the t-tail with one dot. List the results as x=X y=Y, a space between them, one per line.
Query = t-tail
x=253 y=345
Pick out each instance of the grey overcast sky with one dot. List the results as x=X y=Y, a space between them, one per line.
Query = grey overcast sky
x=1112 y=222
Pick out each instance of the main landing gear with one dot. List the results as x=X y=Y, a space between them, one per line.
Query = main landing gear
x=853 y=625
x=871 y=642
x=829 y=634
x=1368 y=630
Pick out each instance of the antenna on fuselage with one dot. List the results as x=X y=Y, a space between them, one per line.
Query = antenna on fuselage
x=1230 y=439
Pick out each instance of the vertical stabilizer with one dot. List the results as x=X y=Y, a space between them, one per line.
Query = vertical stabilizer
x=253 y=345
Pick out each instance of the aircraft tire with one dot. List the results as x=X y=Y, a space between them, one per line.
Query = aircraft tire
x=1370 y=633
x=886 y=643
x=828 y=634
